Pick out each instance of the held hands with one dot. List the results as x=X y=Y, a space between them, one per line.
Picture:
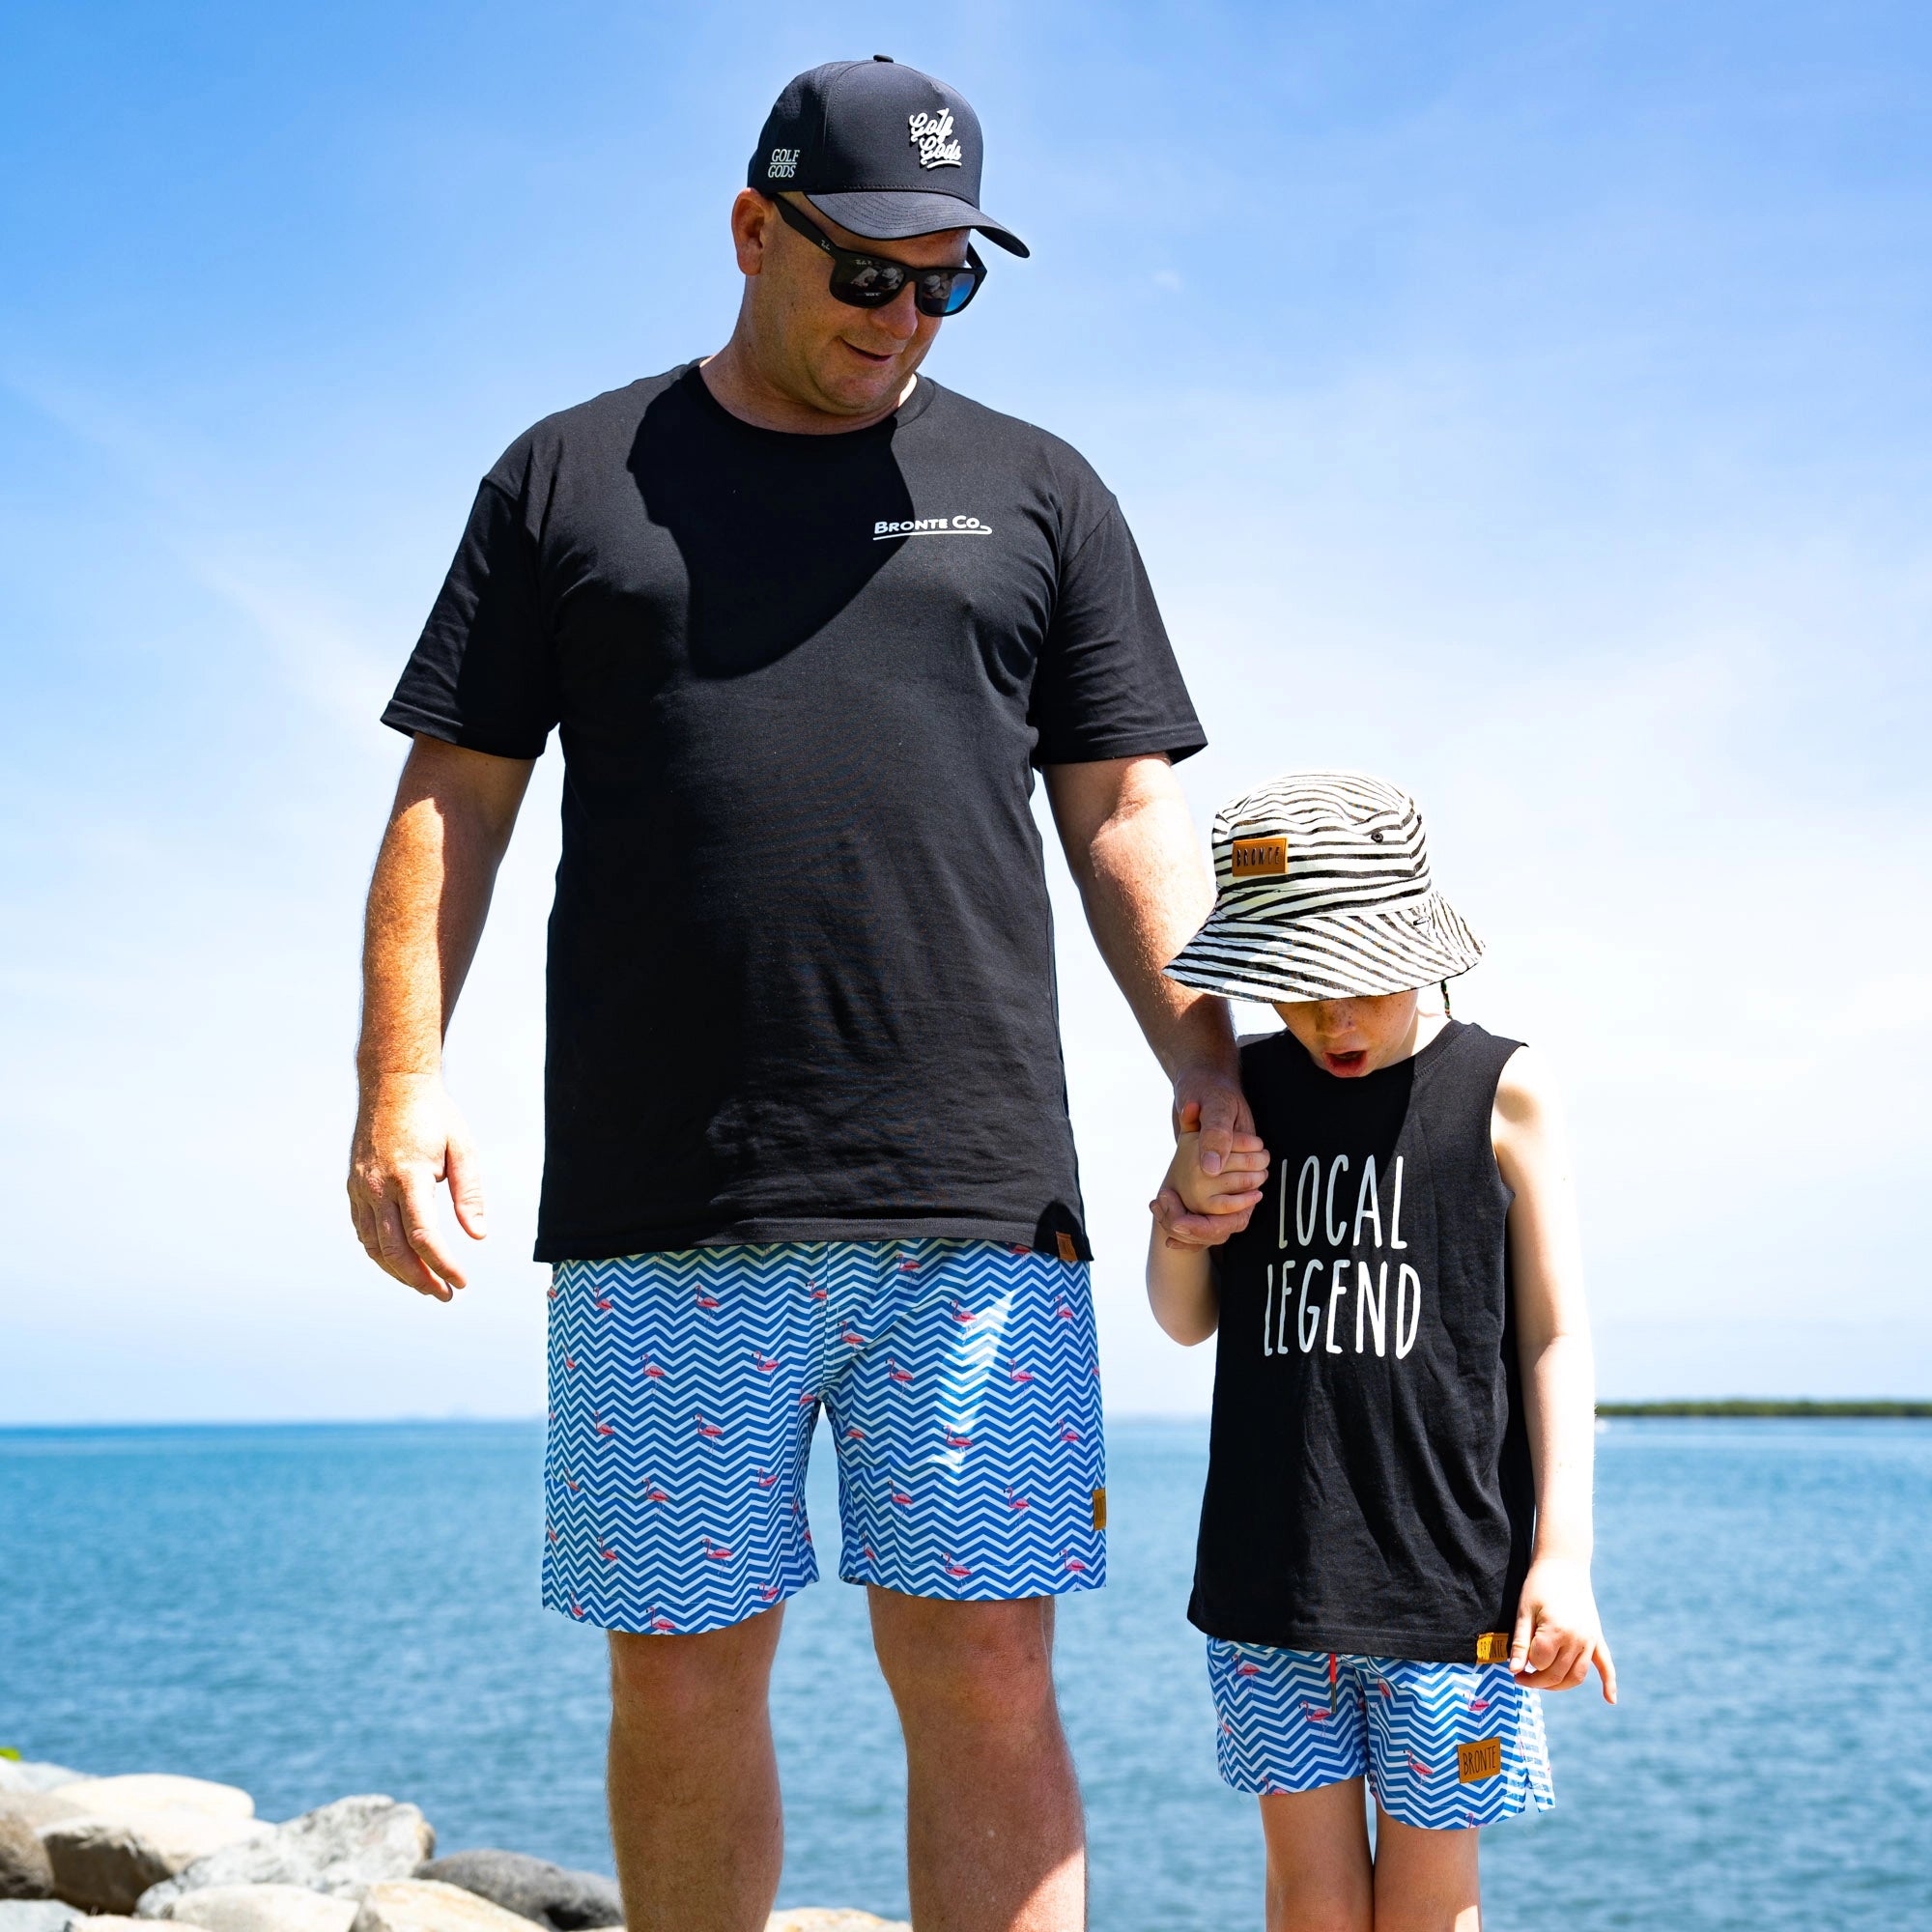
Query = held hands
x=1558 y=1634
x=1197 y=1207
x=409 y=1136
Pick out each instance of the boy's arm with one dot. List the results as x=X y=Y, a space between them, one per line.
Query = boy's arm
x=1179 y=1275
x=1558 y=1634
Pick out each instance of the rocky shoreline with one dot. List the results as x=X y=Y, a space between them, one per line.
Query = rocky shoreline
x=143 y=1852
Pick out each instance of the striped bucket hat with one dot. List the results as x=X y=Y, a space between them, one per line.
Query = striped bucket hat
x=1323 y=892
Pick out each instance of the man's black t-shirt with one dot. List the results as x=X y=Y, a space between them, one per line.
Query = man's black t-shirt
x=1369 y=1481
x=801 y=968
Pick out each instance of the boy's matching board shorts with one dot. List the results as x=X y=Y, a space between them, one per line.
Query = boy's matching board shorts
x=1443 y=1746
x=963 y=1389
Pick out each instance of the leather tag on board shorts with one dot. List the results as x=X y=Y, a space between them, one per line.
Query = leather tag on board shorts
x=1493 y=1647
x=1259 y=859
x=1480 y=1760
x=1062 y=1246
x=1100 y=1509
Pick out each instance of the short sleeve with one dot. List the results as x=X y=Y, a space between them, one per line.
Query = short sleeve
x=481 y=674
x=1107 y=685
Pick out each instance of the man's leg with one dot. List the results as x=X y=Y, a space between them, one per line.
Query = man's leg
x=694 y=1781
x=995 y=1841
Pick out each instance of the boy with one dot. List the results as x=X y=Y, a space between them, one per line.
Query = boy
x=1395 y=1540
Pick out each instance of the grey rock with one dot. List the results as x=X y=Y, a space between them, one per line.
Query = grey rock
x=24 y=1869
x=105 y=1863
x=338 y=1848
x=258 y=1908
x=33 y=1776
x=35 y=1808
x=142 y=1792
x=100 y=1863
x=428 y=1905
x=554 y=1895
x=39 y=1915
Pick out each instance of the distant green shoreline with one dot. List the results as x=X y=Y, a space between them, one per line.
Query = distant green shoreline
x=1751 y=1405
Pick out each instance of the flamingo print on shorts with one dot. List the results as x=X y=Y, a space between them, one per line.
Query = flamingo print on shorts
x=957 y=1378
x=1297 y=1719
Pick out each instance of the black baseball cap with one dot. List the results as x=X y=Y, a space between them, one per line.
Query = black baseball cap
x=884 y=150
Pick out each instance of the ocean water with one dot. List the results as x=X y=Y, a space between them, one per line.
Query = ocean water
x=313 y=1611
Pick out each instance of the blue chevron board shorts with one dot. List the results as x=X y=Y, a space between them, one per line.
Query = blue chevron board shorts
x=1443 y=1746
x=963 y=1388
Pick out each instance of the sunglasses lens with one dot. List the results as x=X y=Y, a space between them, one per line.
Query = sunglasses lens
x=944 y=291
x=865 y=283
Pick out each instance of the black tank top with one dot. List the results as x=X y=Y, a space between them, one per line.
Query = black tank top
x=1369 y=1483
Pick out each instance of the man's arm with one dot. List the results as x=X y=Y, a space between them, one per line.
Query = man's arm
x=1129 y=842
x=447 y=832
x=1558 y=1633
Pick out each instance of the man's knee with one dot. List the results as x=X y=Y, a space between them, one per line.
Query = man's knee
x=976 y=1662
x=671 y=1682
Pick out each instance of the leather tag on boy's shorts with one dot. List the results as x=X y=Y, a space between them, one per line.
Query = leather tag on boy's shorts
x=1480 y=1760
x=1100 y=1509
x=1493 y=1647
x=1062 y=1246
x=1259 y=859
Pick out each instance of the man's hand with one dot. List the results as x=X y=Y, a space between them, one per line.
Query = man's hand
x=1558 y=1634
x=1209 y=1100
x=1200 y=1204
x=409 y=1137
x=446 y=833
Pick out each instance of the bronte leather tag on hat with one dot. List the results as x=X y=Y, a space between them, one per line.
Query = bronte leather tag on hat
x=1259 y=859
x=1324 y=891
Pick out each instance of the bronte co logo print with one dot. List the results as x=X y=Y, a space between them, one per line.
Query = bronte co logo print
x=784 y=165
x=885 y=532
x=1305 y=1317
x=933 y=136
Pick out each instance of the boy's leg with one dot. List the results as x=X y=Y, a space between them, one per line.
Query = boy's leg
x=1452 y=1748
x=1318 y=1877
x=1426 y=1880
x=693 y=1782
x=995 y=1841
x=1291 y=1729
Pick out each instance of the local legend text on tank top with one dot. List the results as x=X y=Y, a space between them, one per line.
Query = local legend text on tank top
x=1369 y=1484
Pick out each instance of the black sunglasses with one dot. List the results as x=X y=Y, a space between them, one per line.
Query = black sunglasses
x=871 y=282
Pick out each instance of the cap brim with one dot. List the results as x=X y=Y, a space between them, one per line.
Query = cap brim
x=1334 y=956
x=894 y=215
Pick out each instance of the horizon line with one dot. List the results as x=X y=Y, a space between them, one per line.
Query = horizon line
x=1688 y=1407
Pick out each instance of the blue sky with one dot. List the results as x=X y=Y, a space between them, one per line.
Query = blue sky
x=1529 y=403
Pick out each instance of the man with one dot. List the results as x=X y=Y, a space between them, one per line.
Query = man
x=806 y=623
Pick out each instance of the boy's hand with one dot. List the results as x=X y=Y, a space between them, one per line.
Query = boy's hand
x=1187 y=1190
x=1558 y=1633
